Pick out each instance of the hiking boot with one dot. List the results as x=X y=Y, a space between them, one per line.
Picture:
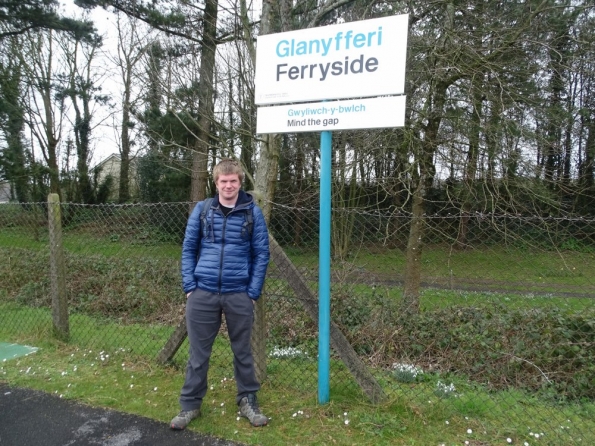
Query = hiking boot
x=249 y=409
x=182 y=419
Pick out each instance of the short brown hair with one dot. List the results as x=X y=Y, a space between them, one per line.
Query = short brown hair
x=228 y=166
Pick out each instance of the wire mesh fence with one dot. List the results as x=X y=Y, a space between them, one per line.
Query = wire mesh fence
x=506 y=321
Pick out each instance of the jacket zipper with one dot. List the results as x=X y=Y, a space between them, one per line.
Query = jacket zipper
x=222 y=249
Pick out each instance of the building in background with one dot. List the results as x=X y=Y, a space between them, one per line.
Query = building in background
x=110 y=166
x=4 y=191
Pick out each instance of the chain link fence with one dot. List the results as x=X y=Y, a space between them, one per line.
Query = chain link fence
x=506 y=321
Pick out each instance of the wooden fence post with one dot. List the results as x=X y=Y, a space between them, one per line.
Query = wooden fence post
x=259 y=338
x=57 y=270
x=339 y=342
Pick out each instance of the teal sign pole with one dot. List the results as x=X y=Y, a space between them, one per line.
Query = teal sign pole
x=324 y=271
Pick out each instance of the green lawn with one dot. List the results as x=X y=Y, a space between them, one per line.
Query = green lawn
x=494 y=268
x=98 y=367
x=128 y=378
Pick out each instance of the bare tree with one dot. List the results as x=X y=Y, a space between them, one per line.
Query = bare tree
x=131 y=49
x=81 y=87
x=45 y=110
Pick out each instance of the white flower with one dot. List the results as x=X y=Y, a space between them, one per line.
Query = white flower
x=469 y=431
x=509 y=440
x=346 y=422
x=406 y=372
x=287 y=352
x=443 y=390
x=447 y=422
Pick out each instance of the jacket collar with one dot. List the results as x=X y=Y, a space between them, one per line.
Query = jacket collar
x=244 y=200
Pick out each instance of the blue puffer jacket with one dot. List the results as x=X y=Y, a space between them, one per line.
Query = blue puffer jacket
x=230 y=260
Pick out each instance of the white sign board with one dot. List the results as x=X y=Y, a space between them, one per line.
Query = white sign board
x=366 y=113
x=351 y=60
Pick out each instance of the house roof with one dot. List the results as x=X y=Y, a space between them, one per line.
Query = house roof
x=112 y=157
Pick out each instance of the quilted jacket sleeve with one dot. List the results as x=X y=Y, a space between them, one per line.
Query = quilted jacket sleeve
x=260 y=254
x=190 y=248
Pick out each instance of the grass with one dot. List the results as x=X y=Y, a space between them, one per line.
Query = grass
x=497 y=268
x=113 y=376
x=433 y=298
x=82 y=243
x=98 y=368
x=493 y=267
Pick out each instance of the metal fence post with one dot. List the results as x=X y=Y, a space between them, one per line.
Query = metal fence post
x=57 y=270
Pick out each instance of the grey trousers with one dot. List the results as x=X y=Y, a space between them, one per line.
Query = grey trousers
x=203 y=321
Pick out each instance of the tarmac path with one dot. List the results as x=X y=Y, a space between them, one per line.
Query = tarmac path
x=33 y=418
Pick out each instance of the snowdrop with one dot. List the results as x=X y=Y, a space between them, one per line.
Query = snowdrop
x=287 y=352
x=444 y=391
x=406 y=373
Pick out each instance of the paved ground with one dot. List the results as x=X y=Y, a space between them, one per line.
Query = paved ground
x=33 y=418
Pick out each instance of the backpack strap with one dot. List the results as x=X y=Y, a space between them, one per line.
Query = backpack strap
x=249 y=220
x=203 y=213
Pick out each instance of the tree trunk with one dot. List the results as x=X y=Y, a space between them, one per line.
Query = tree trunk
x=124 y=189
x=470 y=168
x=410 y=304
x=200 y=175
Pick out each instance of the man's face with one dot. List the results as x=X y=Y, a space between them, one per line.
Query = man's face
x=229 y=188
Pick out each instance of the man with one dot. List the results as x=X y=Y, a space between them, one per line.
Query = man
x=225 y=255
